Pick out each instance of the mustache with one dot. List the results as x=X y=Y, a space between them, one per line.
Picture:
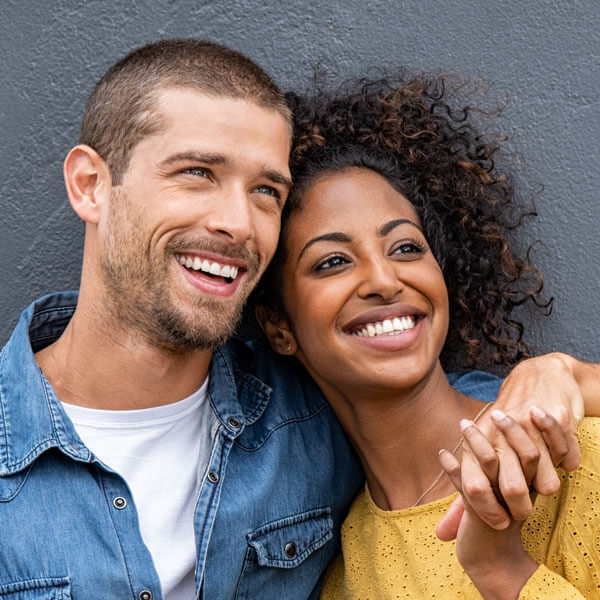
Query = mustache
x=204 y=244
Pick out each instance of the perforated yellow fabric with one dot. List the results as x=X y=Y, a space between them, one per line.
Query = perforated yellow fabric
x=389 y=555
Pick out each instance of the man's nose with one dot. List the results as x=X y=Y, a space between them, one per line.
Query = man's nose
x=230 y=216
x=380 y=277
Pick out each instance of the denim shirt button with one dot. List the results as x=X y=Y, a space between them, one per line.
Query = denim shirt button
x=233 y=423
x=213 y=477
x=290 y=550
x=145 y=595
x=119 y=502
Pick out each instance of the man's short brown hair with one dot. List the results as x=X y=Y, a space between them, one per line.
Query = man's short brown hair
x=119 y=112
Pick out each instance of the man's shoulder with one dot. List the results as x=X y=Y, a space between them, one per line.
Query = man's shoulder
x=477 y=384
x=282 y=372
x=292 y=395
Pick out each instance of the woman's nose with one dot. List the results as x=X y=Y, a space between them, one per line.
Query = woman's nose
x=380 y=278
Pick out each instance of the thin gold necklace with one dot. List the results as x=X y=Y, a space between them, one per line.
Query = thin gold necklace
x=456 y=448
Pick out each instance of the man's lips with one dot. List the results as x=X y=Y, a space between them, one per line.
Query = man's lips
x=211 y=264
x=212 y=274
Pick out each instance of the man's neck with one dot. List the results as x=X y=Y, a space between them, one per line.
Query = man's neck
x=98 y=366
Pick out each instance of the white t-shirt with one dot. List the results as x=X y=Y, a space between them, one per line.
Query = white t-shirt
x=161 y=453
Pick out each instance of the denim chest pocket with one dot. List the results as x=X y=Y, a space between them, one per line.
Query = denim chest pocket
x=289 y=554
x=54 y=588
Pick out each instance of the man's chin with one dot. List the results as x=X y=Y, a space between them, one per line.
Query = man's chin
x=201 y=329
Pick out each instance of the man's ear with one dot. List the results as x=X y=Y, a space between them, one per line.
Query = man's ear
x=277 y=330
x=88 y=181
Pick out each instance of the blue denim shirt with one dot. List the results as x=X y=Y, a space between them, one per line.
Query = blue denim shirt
x=268 y=510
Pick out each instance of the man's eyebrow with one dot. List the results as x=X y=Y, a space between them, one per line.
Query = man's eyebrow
x=390 y=225
x=214 y=158
x=277 y=177
x=326 y=237
x=210 y=158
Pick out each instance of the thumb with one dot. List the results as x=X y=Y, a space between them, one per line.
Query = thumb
x=448 y=526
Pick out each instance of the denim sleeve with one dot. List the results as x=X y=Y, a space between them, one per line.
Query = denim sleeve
x=477 y=384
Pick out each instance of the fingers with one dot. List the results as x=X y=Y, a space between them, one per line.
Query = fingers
x=509 y=467
x=562 y=442
x=520 y=443
x=475 y=487
x=447 y=528
x=536 y=456
x=547 y=382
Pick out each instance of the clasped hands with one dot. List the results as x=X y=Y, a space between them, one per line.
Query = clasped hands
x=507 y=458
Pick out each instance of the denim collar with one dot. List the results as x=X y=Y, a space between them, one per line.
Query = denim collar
x=32 y=419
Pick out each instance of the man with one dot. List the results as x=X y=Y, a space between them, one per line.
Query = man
x=139 y=456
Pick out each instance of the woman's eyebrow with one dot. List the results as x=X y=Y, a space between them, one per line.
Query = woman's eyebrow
x=385 y=229
x=345 y=238
x=326 y=237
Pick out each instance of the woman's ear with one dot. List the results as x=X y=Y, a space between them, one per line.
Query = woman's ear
x=88 y=181
x=277 y=330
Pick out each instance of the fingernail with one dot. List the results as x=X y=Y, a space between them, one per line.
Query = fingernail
x=538 y=412
x=442 y=451
x=497 y=415
x=465 y=424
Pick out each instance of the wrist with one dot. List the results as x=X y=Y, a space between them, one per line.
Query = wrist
x=503 y=580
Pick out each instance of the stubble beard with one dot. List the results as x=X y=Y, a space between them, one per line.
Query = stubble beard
x=138 y=294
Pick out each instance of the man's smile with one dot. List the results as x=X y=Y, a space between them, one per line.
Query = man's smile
x=228 y=272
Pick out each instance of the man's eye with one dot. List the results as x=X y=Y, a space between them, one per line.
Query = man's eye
x=330 y=263
x=197 y=171
x=267 y=189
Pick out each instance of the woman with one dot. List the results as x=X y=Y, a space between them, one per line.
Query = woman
x=393 y=262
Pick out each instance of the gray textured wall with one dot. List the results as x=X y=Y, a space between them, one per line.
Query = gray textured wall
x=543 y=53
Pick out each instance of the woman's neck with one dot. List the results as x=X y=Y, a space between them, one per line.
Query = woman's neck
x=398 y=436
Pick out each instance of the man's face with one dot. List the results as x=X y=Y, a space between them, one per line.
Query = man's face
x=195 y=220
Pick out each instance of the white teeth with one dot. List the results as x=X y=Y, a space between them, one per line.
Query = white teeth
x=395 y=326
x=213 y=268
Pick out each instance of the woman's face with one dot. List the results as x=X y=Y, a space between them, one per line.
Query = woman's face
x=366 y=298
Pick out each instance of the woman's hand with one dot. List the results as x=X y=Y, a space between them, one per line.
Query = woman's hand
x=495 y=560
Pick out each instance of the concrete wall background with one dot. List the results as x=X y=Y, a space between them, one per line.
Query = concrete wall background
x=544 y=53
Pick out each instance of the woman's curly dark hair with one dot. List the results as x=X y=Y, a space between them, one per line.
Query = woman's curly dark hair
x=409 y=131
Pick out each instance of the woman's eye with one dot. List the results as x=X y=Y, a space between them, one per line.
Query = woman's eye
x=408 y=248
x=330 y=263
